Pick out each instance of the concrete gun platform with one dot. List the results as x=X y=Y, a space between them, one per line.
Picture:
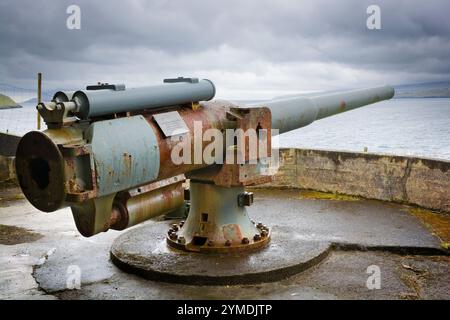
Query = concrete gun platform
x=354 y=234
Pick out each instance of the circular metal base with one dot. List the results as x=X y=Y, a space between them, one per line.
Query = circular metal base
x=144 y=251
x=218 y=222
x=176 y=239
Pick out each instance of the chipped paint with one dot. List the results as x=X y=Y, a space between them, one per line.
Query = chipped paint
x=122 y=148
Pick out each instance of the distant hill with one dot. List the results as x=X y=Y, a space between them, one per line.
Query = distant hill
x=423 y=90
x=46 y=96
x=439 y=89
x=6 y=102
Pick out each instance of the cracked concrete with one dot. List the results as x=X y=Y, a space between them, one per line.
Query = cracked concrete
x=17 y=267
x=342 y=275
x=404 y=180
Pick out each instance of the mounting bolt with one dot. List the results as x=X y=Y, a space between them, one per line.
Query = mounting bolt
x=170 y=232
x=264 y=233
x=210 y=243
x=228 y=243
x=245 y=241
x=245 y=199
x=181 y=223
x=175 y=227
x=181 y=240
x=173 y=236
x=257 y=237
x=259 y=225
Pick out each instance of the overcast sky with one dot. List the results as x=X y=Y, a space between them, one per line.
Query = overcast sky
x=250 y=49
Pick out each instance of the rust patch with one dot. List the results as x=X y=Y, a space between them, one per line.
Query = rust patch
x=127 y=163
x=232 y=232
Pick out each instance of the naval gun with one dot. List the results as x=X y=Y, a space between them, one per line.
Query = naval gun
x=108 y=154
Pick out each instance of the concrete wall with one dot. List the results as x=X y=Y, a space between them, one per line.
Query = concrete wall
x=7 y=170
x=8 y=144
x=422 y=182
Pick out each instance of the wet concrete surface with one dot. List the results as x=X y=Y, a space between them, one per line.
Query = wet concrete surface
x=371 y=232
x=10 y=235
x=10 y=193
x=342 y=275
x=154 y=260
x=364 y=223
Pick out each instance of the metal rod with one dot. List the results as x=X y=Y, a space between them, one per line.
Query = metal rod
x=39 y=99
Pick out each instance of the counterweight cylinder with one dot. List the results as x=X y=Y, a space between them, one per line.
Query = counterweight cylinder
x=93 y=103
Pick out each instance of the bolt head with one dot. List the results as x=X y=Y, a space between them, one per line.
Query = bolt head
x=245 y=241
x=181 y=223
x=245 y=199
x=175 y=227
x=228 y=243
x=173 y=236
x=181 y=240
x=257 y=237
x=264 y=233
x=210 y=243
x=259 y=225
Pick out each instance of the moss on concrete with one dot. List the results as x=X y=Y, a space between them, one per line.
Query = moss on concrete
x=437 y=223
x=309 y=194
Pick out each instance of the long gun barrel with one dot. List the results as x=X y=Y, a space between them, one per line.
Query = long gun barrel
x=108 y=153
x=293 y=113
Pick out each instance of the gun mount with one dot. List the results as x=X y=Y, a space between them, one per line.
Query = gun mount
x=108 y=153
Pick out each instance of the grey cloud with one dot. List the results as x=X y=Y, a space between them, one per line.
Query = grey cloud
x=268 y=46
